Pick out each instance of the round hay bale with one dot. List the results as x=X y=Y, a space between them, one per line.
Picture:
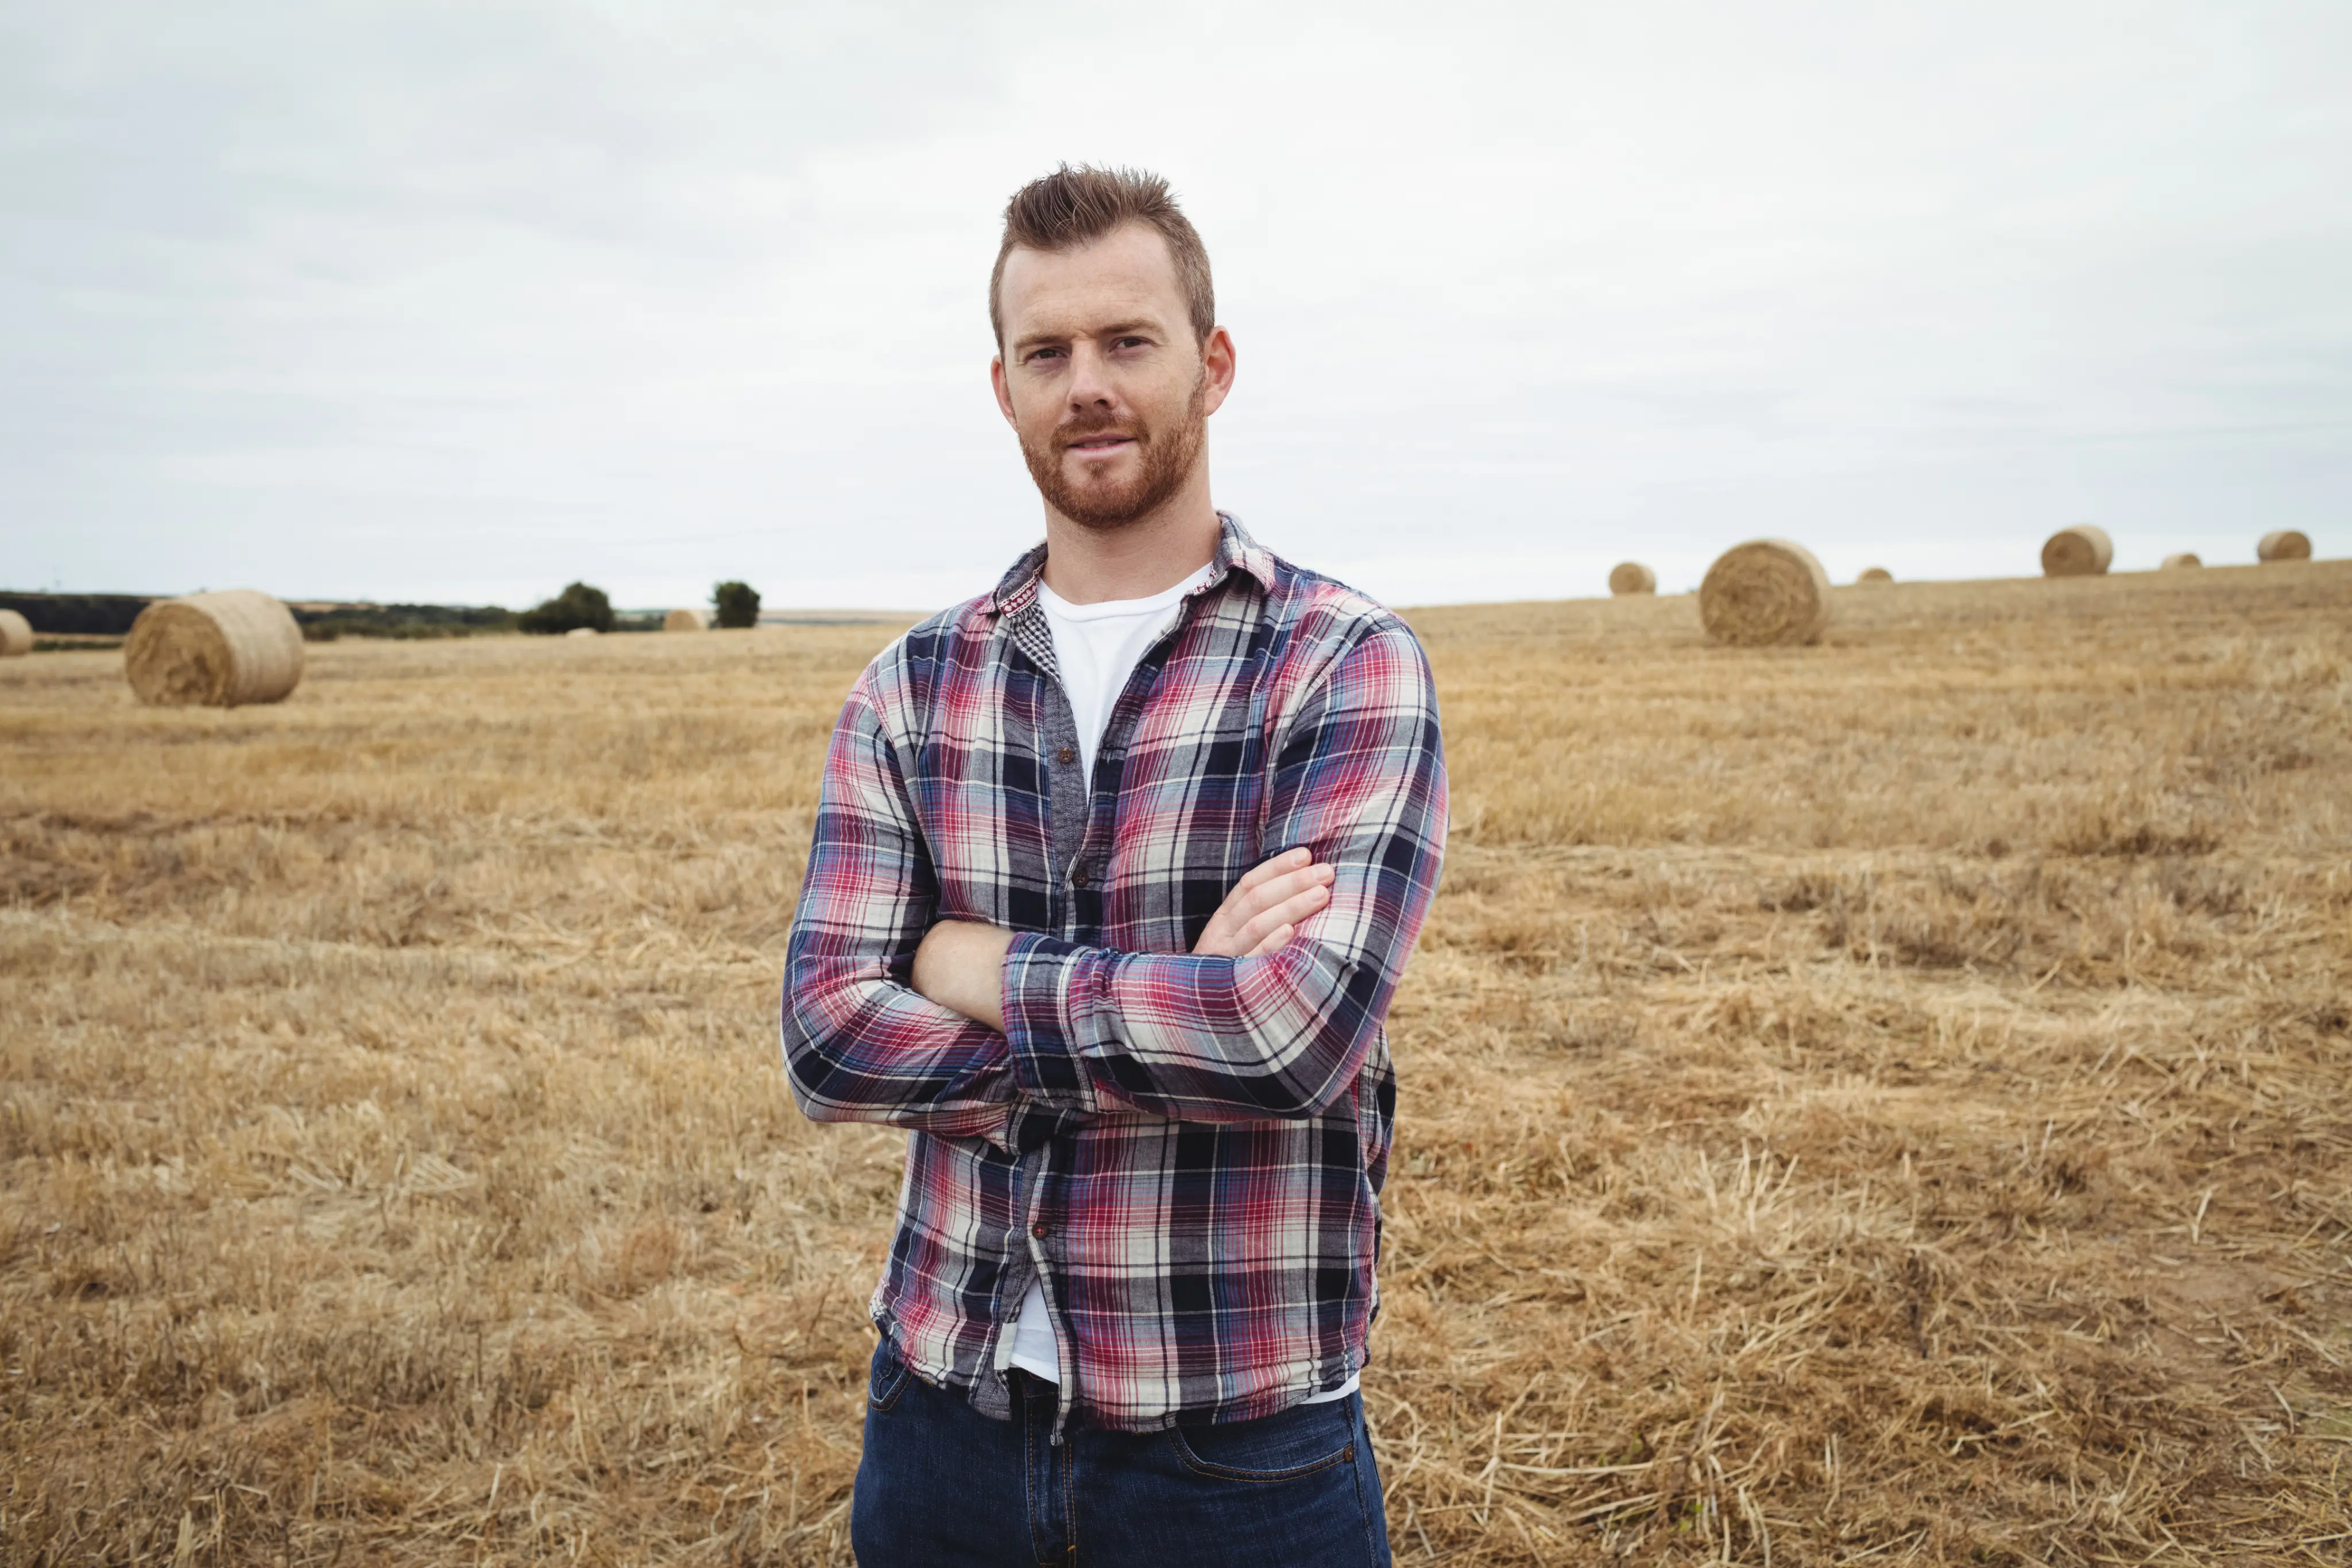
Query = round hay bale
x=684 y=620
x=2285 y=544
x=1631 y=577
x=214 y=650
x=15 y=634
x=2083 y=550
x=1876 y=574
x=584 y=632
x=1765 y=592
x=2184 y=557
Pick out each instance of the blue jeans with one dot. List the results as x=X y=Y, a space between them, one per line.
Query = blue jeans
x=942 y=1484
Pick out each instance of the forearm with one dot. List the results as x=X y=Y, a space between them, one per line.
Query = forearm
x=1190 y=1037
x=960 y=965
x=1177 y=1035
x=861 y=1048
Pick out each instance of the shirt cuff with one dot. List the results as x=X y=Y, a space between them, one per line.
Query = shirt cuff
x=1049 y=985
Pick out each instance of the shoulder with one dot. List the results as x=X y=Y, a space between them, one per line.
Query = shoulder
x=903 y=680
x=1325 y=623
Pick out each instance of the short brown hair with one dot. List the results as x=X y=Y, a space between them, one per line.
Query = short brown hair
x=1071 y=207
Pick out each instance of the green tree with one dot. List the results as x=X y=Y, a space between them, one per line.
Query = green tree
x=737 y=603
x=578 y=606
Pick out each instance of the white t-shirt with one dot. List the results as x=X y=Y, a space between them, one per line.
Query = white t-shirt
x=1097 y=647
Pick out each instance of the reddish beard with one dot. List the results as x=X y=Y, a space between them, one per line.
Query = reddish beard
x=1167 y=459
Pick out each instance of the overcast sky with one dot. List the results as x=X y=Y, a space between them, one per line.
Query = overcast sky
x=458 y=302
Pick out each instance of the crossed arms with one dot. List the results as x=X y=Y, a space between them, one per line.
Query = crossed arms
x=894 y=1015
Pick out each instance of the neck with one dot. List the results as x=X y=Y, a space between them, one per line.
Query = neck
x=1136 y=560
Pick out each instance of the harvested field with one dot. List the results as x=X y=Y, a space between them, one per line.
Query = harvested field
x=1884 y=1100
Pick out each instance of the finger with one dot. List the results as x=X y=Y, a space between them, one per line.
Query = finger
x=1264 y=888
x=1287 y=860
x=1301 y=905
x=1276 y=939
x=1290 y=911
x=1222 y=934
x=1245 y=905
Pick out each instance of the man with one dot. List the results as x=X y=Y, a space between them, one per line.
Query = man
x=1116 y=869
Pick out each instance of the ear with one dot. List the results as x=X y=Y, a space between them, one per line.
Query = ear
x=1217 y=366
x=1003 y=389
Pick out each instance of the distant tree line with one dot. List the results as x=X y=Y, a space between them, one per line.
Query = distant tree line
x=78 y=614
x=111 y=615
x=580 y=604
x=404 y=621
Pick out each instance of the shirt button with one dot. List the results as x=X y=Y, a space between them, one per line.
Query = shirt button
x=1067 y=756
x=1078 y=879
x=1040 y=1230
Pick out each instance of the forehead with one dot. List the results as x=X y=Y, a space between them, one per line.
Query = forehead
x=1126 y=277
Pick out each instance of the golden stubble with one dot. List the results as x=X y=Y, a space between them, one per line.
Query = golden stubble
x=1884 y=1098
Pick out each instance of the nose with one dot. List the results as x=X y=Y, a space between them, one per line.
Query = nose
x=1090 y=386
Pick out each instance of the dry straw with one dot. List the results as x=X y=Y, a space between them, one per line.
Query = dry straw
x=1876 y=574
x=2083 y=550
x=15 y=634
x=326 y=1226
x=584 y=632
x=1765 y=592
x=214 y=650
x=2184 y=557
x=2285 y=544
x=683 y=621
x=1631 y=577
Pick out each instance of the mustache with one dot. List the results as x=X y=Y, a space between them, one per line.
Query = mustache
x=1083 y=425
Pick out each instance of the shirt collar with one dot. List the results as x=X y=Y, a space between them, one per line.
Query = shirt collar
x=1236 y=551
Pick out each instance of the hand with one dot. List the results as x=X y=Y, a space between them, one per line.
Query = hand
x=1265 y=908
x=960 y=965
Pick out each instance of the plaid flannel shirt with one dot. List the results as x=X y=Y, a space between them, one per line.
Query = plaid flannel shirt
x=1186 y=1152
